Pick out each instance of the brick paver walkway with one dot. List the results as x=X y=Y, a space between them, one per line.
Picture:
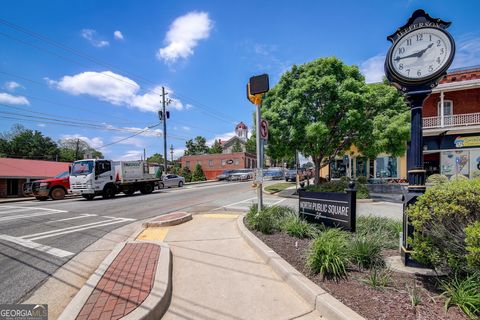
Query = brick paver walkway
x=125 y=285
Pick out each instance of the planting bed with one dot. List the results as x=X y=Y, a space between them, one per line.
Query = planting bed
x=391 y=302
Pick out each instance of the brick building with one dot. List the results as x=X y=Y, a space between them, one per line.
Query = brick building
x=15 y=172
x=451 y=135
x=214 y=164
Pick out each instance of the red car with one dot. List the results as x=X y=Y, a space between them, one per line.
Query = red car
x=55 y=188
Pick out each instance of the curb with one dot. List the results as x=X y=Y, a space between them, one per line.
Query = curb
x=156 y=303
x=319 y=299
x=153 y=223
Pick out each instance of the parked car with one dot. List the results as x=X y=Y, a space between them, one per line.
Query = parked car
x=291 y=175
x=274 y=173
x=55 y=188
x=225 y=174
x=171 y=180
x=241 y=175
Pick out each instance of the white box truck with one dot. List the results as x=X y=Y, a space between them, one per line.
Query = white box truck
x=94 y=177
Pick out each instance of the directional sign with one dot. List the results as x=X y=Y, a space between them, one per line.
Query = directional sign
x=264 y=129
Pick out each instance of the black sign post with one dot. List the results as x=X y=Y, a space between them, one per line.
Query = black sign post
x=422 y=50
x=333 y=209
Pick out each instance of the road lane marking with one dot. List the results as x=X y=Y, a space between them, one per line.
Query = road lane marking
x=25 y=216
x=232 y=204
x=155 y=233
x=37 y=246
x=280 y=201
x=81 y=216
x=56 y=233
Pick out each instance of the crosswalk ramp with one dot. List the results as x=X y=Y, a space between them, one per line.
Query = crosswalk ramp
x=46 y=223
x=245 y=205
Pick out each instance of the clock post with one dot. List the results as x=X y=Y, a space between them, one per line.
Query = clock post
x=422 y=50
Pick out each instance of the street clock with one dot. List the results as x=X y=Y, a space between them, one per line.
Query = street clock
x=421 y=52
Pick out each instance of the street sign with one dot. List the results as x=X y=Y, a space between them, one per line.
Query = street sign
x=258 y=84
x=264 y=129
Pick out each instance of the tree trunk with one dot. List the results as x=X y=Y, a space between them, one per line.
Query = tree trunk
x=316 y=161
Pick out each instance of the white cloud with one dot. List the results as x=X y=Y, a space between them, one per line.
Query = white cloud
x=115 y=89
x=373 y=68
x=42 y=125
x=186 y=128
x=148 y=133
x=94 y=142
x=91 y=36
x=11 y=99
x=183 y=36
x=468 y=51
x=223 y=137
x=117 y=35
x=178 y=152
x=132 y=155
x=12 y=85
x=134 y=141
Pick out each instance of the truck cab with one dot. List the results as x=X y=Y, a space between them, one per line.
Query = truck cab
x=55 y=188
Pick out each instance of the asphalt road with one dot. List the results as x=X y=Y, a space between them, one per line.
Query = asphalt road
x=37 y=238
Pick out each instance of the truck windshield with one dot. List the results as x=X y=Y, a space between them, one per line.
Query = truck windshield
x=82 y=168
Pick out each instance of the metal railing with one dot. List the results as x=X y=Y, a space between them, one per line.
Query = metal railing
x=463 y=119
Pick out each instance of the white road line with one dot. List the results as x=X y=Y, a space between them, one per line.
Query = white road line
x=232 y=204
x=31 y=208
x=77 y=230
x=25 y=216
x=280 y=201
x=30 y=236
x=125 y=219
x=15 y=210
x=37 y=246
x=84 y=215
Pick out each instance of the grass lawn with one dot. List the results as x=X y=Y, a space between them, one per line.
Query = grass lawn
x=279 y=186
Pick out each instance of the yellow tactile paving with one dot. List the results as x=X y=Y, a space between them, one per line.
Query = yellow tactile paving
x=153 y=234
x=219 y=215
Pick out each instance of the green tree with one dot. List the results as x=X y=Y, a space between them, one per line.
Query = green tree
x=216 y=147
x=155 y=158
x=198 y=174
x=72 y=149
x=20 y=142
x=196 y=146
x=251 y=145
x=187 y=174
x=237 y=147
x=323 y=107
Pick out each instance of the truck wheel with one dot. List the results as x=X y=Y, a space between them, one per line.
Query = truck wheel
x=88 y=196
x=146 y=189
x=109 y=192
x=180 y=184
x=42 y=198
x=57 y=193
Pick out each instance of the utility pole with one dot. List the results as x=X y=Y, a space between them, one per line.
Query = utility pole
x=171 y=154
x=259 y=159
x=164 y=130
x=76 y=150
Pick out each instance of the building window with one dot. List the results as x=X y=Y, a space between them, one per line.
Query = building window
x=447 y=108
x=249 y=161
x=361 y=167
x=338 y=169
x=12 y=187
x=187 y=164
x=237 y=161
x=210 y=163
x=387 y=167
x=224 y=162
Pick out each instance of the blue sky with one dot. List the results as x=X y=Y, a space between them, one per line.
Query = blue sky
x=101 y=67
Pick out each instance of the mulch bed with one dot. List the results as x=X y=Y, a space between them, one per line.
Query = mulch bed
x=392 y=302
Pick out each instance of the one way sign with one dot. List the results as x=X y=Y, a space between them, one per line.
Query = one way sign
x=264 y=129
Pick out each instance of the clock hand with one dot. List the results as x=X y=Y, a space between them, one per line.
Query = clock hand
x=415 y=54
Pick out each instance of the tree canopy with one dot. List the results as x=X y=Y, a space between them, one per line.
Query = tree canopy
x=72 y=149
x=237 y=147
x=216 y=147
x=196 y=146
x=155 y=158
x=323 y=107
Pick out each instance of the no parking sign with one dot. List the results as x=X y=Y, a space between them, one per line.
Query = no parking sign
x=264 y=129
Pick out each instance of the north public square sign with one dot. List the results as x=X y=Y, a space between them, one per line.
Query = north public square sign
x=333 y=209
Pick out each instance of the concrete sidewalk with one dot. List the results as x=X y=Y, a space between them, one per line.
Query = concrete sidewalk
x=217 y=275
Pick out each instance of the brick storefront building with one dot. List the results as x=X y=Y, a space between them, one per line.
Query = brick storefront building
x=214 y=164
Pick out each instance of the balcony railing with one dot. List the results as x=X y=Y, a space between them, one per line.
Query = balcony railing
x=455 y=120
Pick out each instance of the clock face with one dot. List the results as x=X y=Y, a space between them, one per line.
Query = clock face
x=421 y=54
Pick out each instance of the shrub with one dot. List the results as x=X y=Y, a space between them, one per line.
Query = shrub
x=362 y=180
x=386 y=231
x=458 y=177
x=187 y=174
x=198 y=174
x=365 y=251
x=464 y=293
x=472 y=240
x=328 y=254
x=270 y=219
x=378 y=278
x=298 y=227
x=440 y=218
x=437 y=179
